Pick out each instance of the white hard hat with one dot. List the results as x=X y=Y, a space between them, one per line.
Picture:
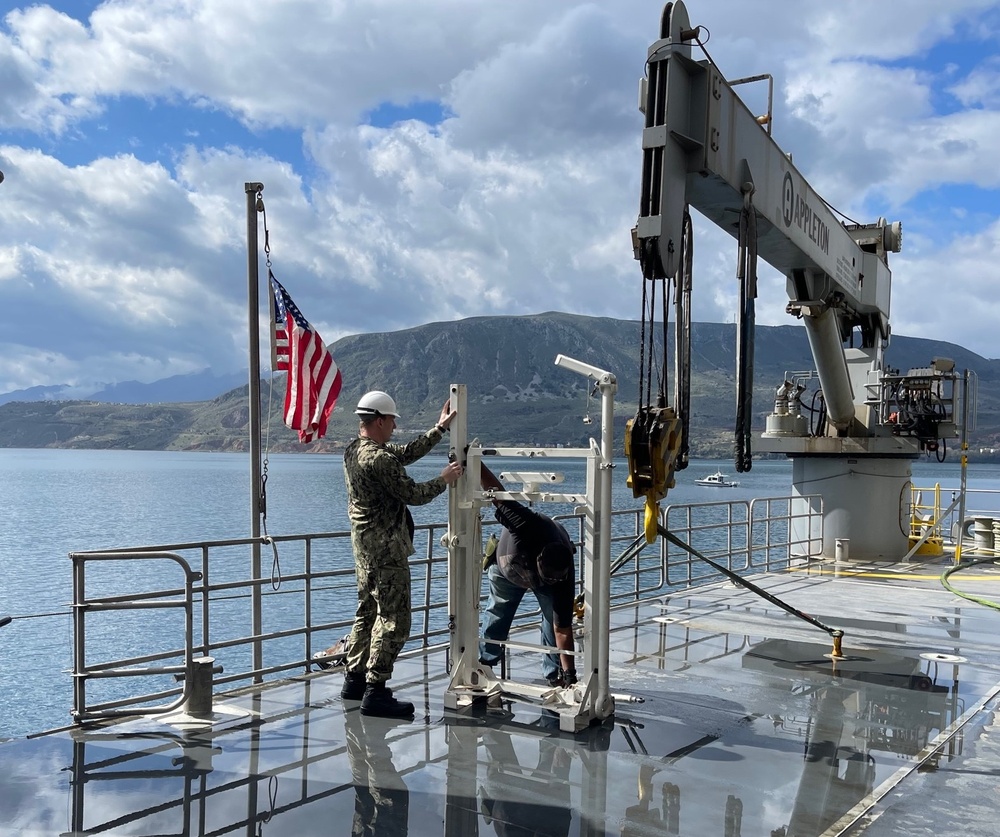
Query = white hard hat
x=376 y=402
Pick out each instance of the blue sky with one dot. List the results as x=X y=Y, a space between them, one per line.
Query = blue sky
x=445 y=159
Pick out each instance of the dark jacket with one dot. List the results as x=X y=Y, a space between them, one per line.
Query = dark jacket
x=525 y=534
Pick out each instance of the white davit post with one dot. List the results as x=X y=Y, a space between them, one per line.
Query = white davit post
x=590 y=699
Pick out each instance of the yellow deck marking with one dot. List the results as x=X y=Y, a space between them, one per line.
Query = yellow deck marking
x=872 y=574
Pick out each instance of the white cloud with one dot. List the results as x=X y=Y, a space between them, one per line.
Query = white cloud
x=962 y=277
x=129 y=136
x=887 y=32
x=891 y=141
x=293 y=62
x=981 y=88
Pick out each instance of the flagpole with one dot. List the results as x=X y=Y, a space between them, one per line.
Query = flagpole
x=253 y=327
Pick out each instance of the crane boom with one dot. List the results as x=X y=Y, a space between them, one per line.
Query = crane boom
x=702 y=146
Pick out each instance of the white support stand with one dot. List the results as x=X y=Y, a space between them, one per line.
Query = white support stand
x=590 y=699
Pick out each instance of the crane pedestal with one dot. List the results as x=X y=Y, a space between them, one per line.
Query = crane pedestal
x=864 y=499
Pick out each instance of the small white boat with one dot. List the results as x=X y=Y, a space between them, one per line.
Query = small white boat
x=718 y=478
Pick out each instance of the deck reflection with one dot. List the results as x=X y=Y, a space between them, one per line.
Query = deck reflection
x=745 y=727
x=507 y=770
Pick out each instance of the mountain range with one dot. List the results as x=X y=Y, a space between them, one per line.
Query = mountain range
x=196 y=386
x=516 y=394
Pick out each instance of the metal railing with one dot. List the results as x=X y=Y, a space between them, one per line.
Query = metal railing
x=155 y=611
x=935 y=512
x=216 y=599
x=745 y=536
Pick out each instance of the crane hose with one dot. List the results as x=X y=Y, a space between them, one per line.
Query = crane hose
x=682 y=339
x=746 y=272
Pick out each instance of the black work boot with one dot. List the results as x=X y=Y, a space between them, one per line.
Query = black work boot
x=354 y=686
x=378 y=701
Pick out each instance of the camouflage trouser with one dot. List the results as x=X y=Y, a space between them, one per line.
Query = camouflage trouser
x=382 y=620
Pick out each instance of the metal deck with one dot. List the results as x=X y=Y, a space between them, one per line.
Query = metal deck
x=745 y=727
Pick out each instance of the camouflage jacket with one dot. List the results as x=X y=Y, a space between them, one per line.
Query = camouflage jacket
x=378 y=492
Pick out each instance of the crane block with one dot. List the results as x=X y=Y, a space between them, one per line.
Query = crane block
x=652 y=445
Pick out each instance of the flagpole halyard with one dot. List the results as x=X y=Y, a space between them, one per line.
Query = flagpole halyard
x=312 y=384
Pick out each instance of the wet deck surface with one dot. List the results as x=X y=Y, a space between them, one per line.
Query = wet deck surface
x=746 y=727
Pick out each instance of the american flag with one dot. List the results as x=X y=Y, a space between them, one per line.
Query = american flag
x=313 y=378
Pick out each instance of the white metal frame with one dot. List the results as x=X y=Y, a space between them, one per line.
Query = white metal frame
x=590 y=699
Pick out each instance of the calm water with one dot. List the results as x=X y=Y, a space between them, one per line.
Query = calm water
x=58 y=501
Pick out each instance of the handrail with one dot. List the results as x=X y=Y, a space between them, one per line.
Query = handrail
x=953 y=526
x=745 y=535
x=84 y=605
x=317 y=597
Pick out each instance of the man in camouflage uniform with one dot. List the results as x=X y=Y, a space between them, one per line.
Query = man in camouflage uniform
x=378 y=492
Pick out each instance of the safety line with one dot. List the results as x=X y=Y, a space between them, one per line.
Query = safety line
x=873 y=574
x=737 y=579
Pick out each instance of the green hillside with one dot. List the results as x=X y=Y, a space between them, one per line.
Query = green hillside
x=516 y=393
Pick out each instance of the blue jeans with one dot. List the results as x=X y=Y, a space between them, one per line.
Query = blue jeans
x=500 y=611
